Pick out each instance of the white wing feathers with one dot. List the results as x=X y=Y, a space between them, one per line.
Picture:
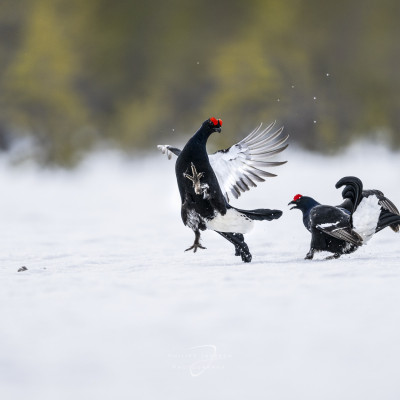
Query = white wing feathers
x=168 y=150
x=240 y=166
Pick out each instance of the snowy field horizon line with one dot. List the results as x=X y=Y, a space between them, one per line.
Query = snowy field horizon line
x=21 y=153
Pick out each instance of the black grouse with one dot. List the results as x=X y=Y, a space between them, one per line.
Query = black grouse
x=204 y=182
x=344 y=228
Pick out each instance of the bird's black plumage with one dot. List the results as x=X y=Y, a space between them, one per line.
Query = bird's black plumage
x=342 y=229
x=329 y=226
x=204 y=205
x=195 y=153
x=354 y=194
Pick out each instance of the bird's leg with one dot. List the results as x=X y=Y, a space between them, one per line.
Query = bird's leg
x=241 y=248
x=333 y=257
x=244 y=252
x=195 y=178
x=196 y=243
x=238 y=249
x=310 y=254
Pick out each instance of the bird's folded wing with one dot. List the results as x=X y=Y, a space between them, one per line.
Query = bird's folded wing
x=341 y=232
x=239 y=167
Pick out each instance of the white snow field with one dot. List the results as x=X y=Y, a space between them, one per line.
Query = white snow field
x=111 y=307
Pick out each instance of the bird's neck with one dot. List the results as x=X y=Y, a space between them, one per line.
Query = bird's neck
x=306 y=212
x=196 y=146
x=201 y=136
x=311 y=204
x=195 y=150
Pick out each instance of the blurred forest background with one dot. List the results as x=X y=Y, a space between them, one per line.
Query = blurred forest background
x=131 y=74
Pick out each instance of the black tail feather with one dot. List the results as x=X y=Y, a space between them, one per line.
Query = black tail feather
x=352 y=192
x=261 y=214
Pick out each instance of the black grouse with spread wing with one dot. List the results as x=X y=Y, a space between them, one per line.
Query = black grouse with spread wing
x=204 y=182
x=344 y=228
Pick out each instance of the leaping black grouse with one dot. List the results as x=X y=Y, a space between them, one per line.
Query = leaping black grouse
x=344 y=228
x=204 y=182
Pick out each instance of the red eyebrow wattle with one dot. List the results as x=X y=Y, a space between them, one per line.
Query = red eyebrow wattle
x=214 y=121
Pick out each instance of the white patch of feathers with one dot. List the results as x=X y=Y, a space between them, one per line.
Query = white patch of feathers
x=347 y=247
x=233 y=221
x=365 y=218
x=327 y=225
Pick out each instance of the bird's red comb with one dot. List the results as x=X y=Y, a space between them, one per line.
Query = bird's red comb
x=216 y=121
x=297 y=197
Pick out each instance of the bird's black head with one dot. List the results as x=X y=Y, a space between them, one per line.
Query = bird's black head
x=213 y=124
x=302 y=203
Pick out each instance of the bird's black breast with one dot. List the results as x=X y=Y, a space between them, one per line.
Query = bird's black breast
x=205 y=206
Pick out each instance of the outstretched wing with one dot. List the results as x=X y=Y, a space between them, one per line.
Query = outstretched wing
x=384 y=202
x=390 y=215
x=169 y=150
x=239 y=167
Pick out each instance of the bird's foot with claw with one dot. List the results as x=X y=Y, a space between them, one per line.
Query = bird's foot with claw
x=195 y=178
x=309 y=256
x=195 y=247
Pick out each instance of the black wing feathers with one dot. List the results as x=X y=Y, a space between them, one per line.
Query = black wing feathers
x=343 y=233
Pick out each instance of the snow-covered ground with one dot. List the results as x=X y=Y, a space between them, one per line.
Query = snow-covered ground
x=111 y=307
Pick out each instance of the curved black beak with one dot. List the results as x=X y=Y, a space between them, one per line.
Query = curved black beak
x=295 y=204
x=217 y=129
